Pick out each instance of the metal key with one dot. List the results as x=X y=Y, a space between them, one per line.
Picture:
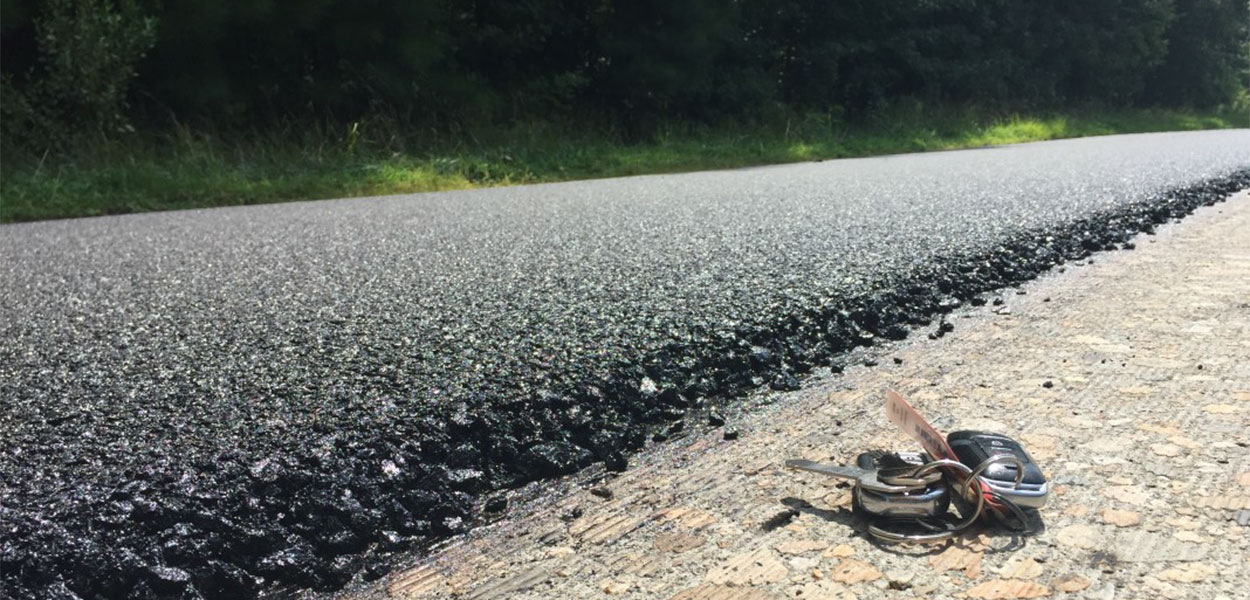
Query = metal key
x=897 y=468
x=927 y=502
x=930 y=500
x=864 y=478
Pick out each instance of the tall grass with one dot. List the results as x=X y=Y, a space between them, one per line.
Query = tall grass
x=188 y=169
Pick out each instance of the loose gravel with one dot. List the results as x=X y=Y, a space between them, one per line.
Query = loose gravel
x=223 y=402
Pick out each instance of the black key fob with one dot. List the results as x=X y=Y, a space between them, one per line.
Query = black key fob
x=975 y=447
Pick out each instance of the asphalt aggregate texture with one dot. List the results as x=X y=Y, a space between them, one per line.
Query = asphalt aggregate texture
x=229 y=402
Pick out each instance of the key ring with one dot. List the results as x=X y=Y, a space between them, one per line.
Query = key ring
x=1016 y=511
x=897 y=536
x=950 y=530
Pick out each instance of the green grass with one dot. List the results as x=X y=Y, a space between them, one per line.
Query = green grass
x=187 y=170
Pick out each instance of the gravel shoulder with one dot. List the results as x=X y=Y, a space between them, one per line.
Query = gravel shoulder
x=1127 y=377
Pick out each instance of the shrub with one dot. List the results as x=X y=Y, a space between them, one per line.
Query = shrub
x=87 y=52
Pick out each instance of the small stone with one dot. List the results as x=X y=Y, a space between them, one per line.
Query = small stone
x=1184 y=442
x=1242 y=517
x=1189 y=536
x=601 y=492
x=785 y=382
x=1048 y=384
x=730 y=435
x=1018 y=568
x=1070 y=582
x=1191 y=573
x=1076 y=510
x=1183 y=523
x=851 y=571
x=715 y=419
x=1007 y=589
x=616 y=463
x=497 y=504
x=1221 y=409
x=612 y=586
x=1159 y=429
x=898 y=361
x=1168 y=450
x=1120 y=518
x=958 y=558
x=169 y=578
x=899 y=579
x=839 y=551
x=923 y=589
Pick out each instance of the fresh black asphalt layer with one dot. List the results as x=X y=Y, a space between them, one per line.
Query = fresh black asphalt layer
x=221 y=402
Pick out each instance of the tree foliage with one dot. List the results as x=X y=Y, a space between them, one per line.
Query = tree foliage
x=636 y=62
x=85 y=55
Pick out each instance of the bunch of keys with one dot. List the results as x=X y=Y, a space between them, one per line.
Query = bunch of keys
x=989 y=473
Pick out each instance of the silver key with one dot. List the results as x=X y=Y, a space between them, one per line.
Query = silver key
x=918 y=504
x=904 y=474
x=864 y=478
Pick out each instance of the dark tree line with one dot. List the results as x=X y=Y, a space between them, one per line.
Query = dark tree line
x=448 y=61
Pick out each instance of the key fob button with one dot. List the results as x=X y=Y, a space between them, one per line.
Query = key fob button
x=975 y=447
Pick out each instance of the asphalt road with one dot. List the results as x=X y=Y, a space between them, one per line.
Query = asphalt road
x=1119 y=354
x=234 y=399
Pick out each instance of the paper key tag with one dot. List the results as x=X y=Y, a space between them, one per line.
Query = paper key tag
x=902 y=414
x=909 y=420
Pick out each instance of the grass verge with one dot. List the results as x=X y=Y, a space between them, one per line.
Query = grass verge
x=187 y=170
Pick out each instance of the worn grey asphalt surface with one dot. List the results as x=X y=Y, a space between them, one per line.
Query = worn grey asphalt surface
x=225 y=400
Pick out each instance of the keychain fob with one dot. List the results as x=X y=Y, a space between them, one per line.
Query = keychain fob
x=975 y=447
